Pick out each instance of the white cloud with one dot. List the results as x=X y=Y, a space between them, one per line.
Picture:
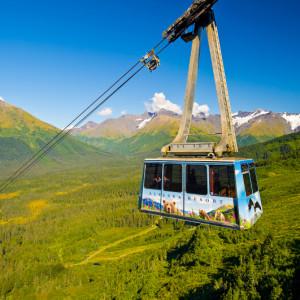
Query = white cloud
x=159 y=102
x=1 y=99
x=200 y=109
x=123 y=112
x=105 y=112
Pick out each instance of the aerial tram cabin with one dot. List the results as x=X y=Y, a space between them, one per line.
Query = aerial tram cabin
x=222 y=192
x=193 y=181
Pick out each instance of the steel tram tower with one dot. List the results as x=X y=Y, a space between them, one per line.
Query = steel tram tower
x=201 y=15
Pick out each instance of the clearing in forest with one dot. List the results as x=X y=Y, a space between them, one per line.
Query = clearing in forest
x=114 y=244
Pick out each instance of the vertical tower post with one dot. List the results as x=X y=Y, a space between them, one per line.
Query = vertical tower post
x=228 y=140
x=186 y=119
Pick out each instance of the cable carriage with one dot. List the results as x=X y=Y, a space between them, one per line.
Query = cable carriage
x=193 y=181
x=222 y=192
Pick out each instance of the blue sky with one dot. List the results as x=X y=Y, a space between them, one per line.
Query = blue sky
x=57 y=57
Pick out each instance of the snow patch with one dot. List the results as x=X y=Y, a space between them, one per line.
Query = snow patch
x=143 y=123
x=294 y=120
x=69 y=127
x=139 y=119
x=241 y=120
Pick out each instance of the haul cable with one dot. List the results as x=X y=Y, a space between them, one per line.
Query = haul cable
x=31 y=162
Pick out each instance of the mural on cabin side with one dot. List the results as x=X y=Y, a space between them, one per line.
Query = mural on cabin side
x=151 y=200
x=211 y=209
x=171 y=203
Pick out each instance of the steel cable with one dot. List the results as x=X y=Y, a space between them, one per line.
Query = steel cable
x=31 y=162
x=67 y=126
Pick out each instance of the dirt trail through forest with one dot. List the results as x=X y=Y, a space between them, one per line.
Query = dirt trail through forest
x=114 y=244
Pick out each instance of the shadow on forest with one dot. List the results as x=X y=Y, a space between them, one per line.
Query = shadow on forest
x=205 y=292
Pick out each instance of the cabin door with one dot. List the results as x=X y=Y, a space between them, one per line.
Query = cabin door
x=253 y=208
x=172 y=193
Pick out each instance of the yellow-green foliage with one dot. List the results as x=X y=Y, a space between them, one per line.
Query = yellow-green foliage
x=265 y=128
x=14 y=117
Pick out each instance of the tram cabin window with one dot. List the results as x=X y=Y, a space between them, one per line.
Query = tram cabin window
x=246 y=178
x=196 y=179
x=173 y=178
x=222 y=181
x=253 y=177
x=153 y=176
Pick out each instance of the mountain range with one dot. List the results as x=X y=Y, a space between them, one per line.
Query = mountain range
x=22 y=135
x=150 y=131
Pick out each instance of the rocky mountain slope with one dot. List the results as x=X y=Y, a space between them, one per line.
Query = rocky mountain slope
x=116 y=128
x=88 y=126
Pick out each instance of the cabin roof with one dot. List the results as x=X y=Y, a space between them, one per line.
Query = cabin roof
x=199 y=159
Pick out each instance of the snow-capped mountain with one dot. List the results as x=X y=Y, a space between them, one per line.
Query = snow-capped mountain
x=243 y=117
x=259 y=115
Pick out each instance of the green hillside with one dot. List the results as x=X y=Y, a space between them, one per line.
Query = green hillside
x=251 y=139
x=78 y=234
x=261 y=130
x=22 y=135
x=281 y=147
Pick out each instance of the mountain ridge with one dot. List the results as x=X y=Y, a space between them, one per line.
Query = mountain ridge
x=153 y=130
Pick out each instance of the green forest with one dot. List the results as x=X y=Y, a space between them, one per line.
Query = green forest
x=75 y=232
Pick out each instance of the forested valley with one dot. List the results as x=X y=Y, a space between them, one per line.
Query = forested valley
x=77 y=233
